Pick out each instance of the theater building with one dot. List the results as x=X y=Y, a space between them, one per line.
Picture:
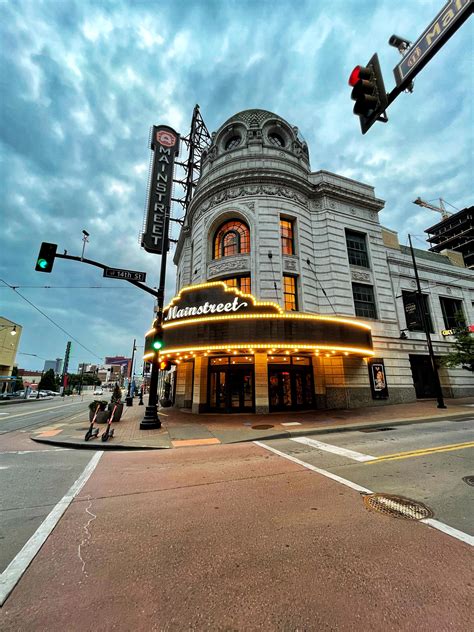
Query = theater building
x=290 y=294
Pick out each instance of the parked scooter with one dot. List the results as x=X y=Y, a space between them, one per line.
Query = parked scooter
x=109 y=431
x=93 y=433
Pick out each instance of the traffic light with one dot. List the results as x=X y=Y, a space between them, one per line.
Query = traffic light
x=369 y=94
x=165 y=365
x=153 y=340
x=46 y=257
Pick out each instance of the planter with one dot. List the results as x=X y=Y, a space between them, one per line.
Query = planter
x=118 y=411
x=93 y=407
x=102 y=416
x=166 y=402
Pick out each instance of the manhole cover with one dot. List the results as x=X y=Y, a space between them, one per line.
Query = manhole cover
x=262 y=427
x=376 y=429
x=397 y=506
x=469 y=480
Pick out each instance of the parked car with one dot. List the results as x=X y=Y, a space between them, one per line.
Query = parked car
x=98 y=391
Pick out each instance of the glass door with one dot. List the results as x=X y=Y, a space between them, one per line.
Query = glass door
x=231 y=385
x=290 y=387
x=218 y=390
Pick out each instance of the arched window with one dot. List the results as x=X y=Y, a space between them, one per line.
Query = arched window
x=232 y=238
x=276 y=140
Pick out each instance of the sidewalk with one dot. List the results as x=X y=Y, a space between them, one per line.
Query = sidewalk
x=181 y=428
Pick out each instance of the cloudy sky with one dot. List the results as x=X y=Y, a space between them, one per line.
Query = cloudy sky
x=82 y=81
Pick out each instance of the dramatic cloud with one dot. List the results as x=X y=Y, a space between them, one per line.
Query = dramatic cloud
x=82 y=81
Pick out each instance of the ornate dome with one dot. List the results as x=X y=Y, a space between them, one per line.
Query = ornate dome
x=257 y=127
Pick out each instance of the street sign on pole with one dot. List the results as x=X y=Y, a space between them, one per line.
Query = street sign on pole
x=127 y=275
x=448 y=20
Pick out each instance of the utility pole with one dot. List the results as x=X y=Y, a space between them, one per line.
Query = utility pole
x=129 y=400
x=421 y=311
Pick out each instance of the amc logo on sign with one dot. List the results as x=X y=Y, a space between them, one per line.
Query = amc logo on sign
x=166 y=138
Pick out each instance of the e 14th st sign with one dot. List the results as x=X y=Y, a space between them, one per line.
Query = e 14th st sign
x=448 y=20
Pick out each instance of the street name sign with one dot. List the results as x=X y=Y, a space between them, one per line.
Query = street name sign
x=448 y=20
x=128 y=275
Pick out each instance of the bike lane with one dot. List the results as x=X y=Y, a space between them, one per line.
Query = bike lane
x=235 y=538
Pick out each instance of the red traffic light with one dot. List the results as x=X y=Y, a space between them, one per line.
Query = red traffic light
x=354 y=77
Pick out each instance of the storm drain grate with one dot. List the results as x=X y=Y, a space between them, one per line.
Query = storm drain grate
x=397 y=506
x=262 y=427
x=375 y=429
x=469 y=480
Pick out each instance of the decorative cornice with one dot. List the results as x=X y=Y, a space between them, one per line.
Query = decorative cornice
x=348 y=196
x=358 y=275
x=221 y=267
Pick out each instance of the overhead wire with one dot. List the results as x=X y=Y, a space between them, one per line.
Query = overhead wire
x=50 y=319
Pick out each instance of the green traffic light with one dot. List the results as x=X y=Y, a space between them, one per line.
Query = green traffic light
x=42 y=263
x=157 y=344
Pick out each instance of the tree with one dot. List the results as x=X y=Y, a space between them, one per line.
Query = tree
x=48 y=381
x=18 y=383
x=463 y=352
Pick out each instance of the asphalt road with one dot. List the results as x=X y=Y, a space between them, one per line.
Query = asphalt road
x=31 y=484
x=247 y=537
x=235 y=537
x=425 y=462
x=26 y=415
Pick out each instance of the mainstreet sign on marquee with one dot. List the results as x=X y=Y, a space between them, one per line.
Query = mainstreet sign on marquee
x=165 y=144
x=448 y=20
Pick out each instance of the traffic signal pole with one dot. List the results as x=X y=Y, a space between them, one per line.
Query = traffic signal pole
x=151 y=419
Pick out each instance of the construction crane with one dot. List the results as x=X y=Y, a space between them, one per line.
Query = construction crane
x=440 y=209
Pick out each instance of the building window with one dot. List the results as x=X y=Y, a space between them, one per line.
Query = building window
x=287 y=236
x=364 y=300
x=289 y=293
x=276 y=139
x=412 y=316
x=232 y=238
x=453 y=313
x=357 y=249
x=242 y=283
x=232 y=143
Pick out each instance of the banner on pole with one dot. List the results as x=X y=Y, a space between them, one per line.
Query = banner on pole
x=165 y=145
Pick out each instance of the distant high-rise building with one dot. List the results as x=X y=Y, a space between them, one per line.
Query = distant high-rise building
x=121 y=361
x=456 y=232
x=56 y=365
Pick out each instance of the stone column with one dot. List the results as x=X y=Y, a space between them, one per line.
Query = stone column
x=200 y=384
x=261 y=382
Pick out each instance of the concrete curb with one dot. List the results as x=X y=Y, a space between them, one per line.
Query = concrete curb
x=285 y=434
x=98 y=445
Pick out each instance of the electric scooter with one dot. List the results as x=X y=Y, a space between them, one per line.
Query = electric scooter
x=109 y=431
x=93 y=433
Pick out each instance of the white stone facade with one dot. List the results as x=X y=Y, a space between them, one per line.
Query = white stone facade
x=260 y=183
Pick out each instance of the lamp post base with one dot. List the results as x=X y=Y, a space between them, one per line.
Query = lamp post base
x=150 y=420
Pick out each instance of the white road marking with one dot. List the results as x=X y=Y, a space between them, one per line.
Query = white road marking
x=436 y=524
x=328 y=447
x=12 y=574
x=460 y=535
x=4 y=413
x=313 y=468
x=40 y=410
x=33 y=451
x=291 y=423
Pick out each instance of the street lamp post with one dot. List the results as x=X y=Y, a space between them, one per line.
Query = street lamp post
x=129 y=398
x=421 y=311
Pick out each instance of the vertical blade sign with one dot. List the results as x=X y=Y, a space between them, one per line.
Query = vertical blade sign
x=165 y=145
